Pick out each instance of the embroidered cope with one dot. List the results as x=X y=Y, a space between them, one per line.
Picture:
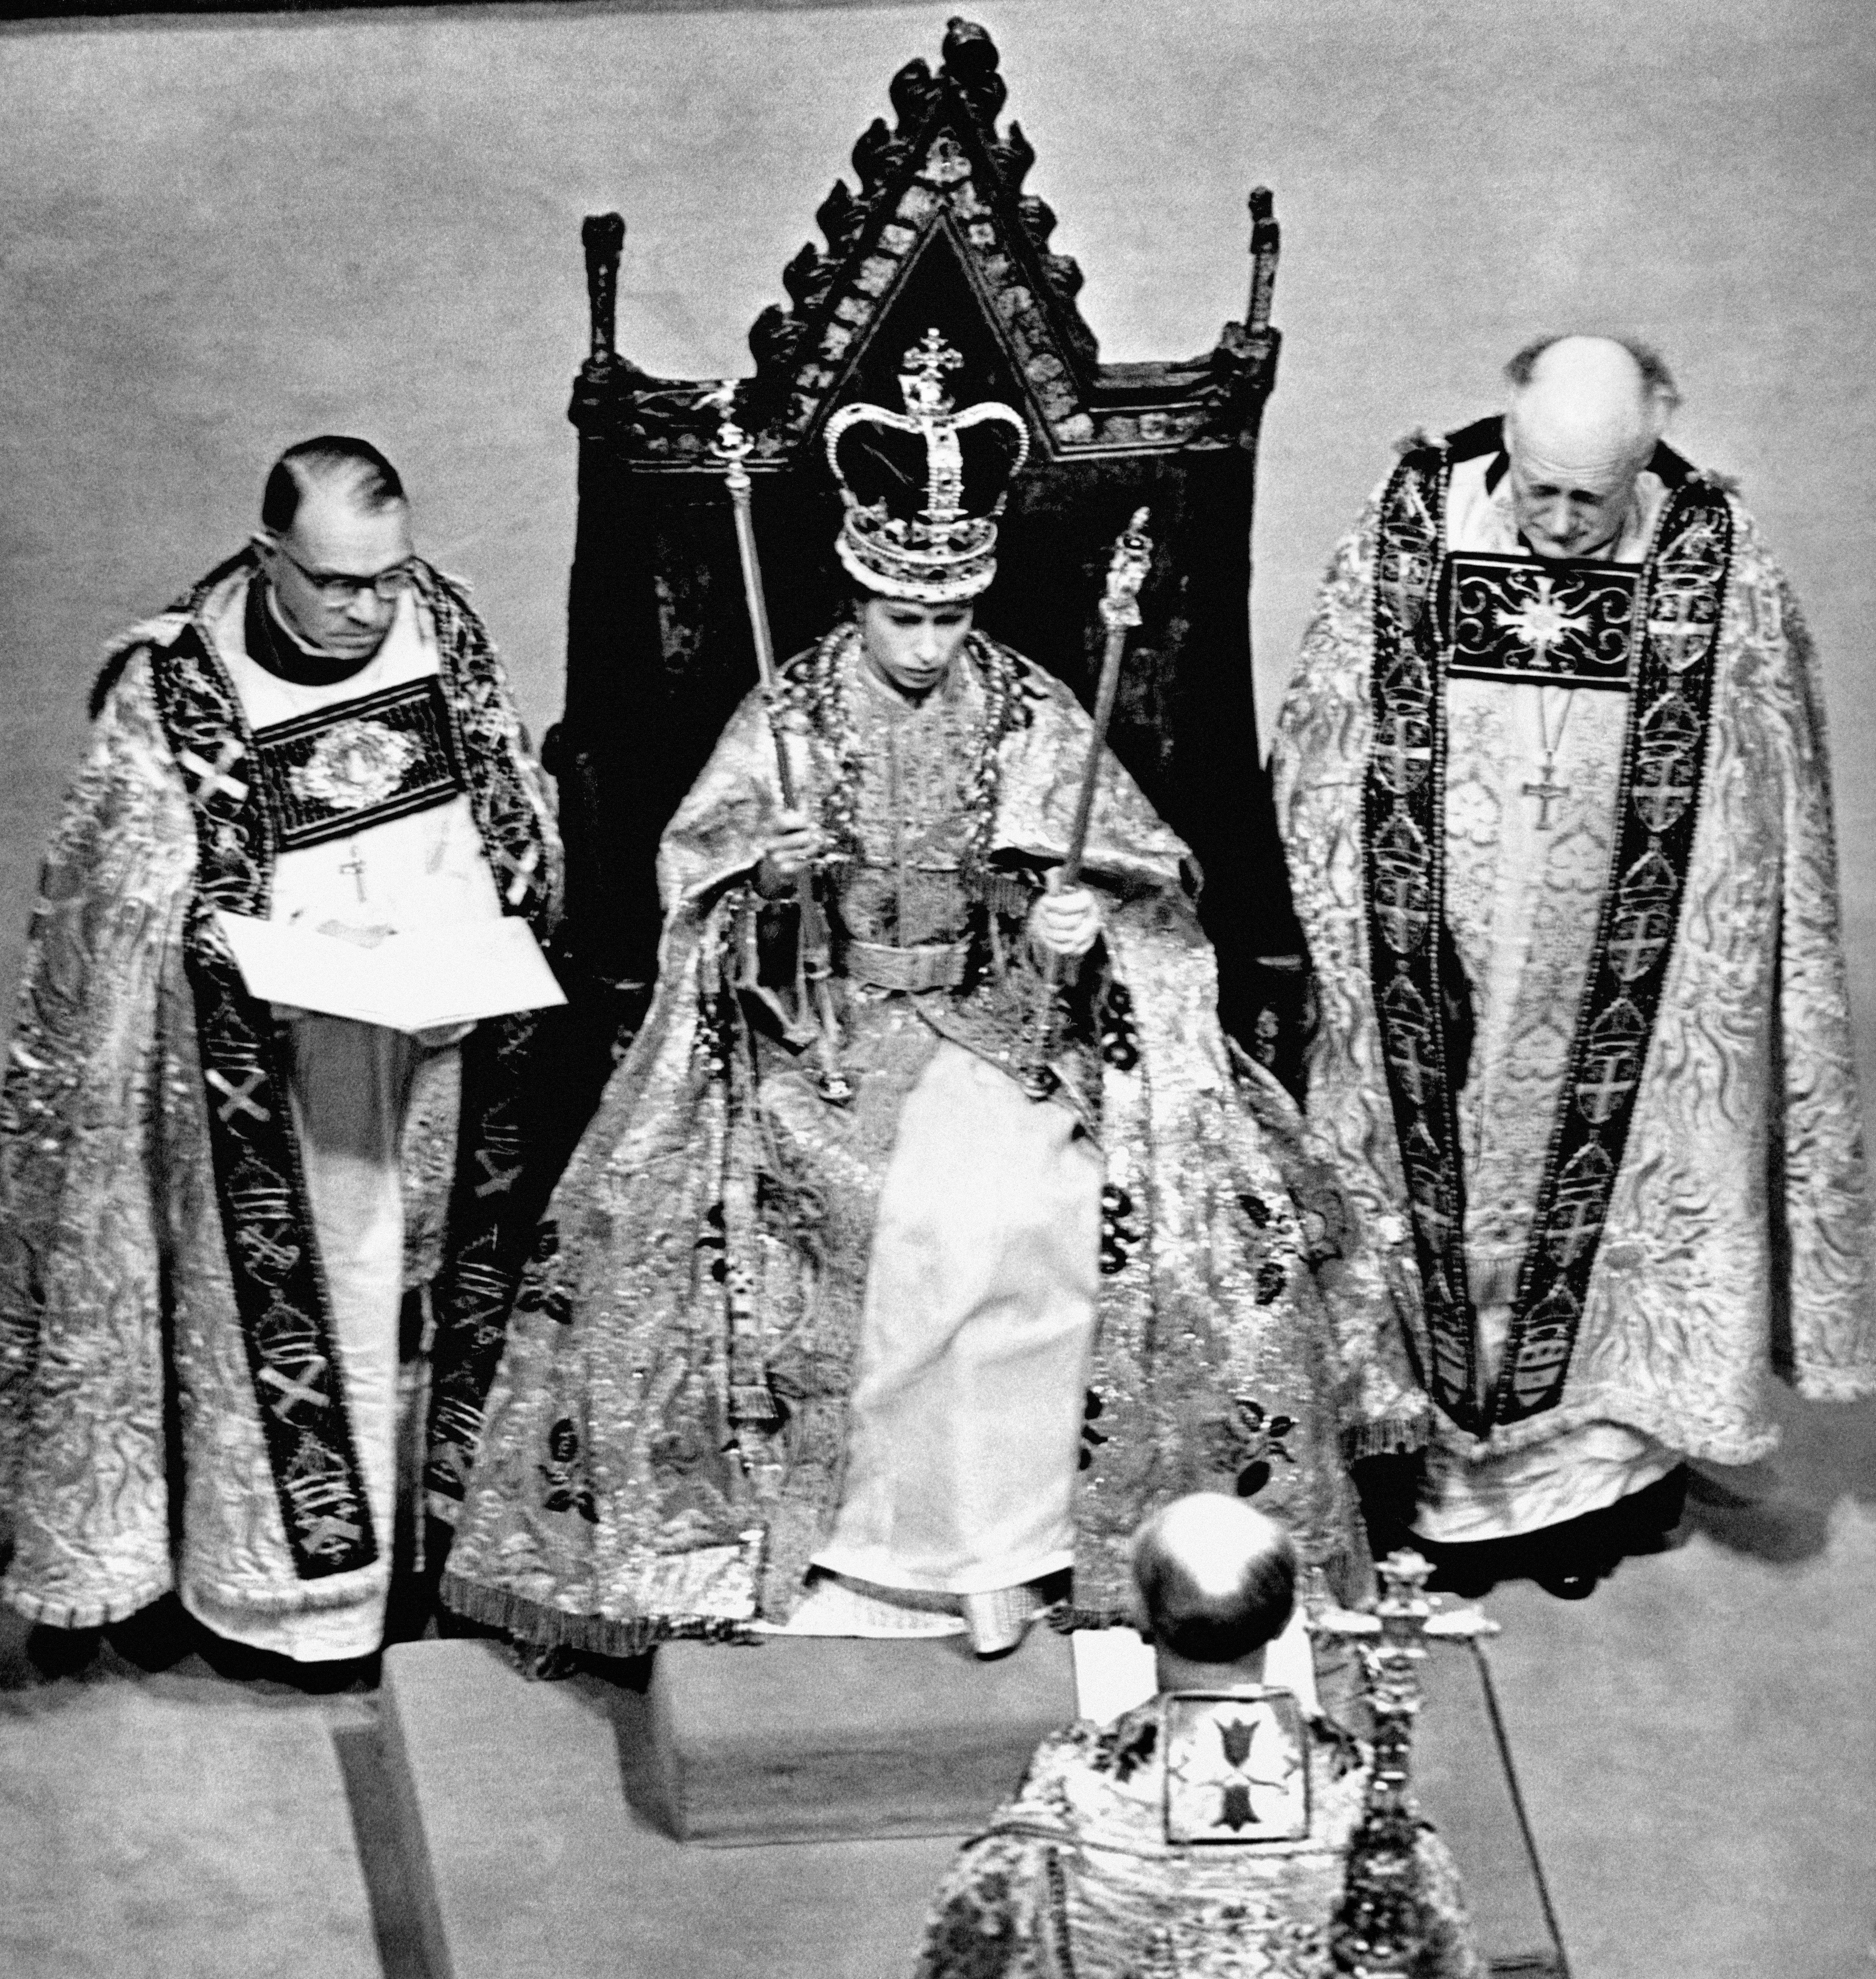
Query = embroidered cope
x=1650 y=1138
x=1075 y=1878
x=201 y=1196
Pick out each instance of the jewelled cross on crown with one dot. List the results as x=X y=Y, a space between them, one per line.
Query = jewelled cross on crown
x=922 y=384
x=921 y=374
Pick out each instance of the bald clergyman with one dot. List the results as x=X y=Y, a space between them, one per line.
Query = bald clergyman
x=228 y=1228
x=1552 y=778
x=1206 y=1833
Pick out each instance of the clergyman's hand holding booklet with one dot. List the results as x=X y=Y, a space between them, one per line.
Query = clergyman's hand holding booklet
x=420 y=978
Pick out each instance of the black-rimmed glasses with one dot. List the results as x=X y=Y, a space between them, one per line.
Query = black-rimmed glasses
x=338 y=588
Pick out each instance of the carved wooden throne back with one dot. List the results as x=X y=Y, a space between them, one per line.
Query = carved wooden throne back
x=939 y=234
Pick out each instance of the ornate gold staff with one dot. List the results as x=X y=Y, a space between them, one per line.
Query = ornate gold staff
x=814 y=959
x=1127 y=571
x=1380 y=1930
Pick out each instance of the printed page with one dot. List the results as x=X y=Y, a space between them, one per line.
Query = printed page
x=419 y=979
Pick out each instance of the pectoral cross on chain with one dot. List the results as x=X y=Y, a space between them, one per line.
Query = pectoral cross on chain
x=356 y=865
x=1546 y=790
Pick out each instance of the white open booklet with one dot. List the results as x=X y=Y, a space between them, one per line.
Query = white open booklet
x=420 y=979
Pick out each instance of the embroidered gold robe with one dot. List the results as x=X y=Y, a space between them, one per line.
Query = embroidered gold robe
x=166 y=1315
x=1655 y=1178
x=1076 y=1875
x=669 y=1439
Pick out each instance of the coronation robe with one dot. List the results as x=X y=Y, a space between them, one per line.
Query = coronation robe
x=1093 y=1870
x=944 y=1338
x=1560 y=838
x=225 y=1230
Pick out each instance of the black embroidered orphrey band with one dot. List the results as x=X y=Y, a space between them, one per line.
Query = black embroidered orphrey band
x=357 y=764
x=1672 y=666
x=279 y=1289
x=1520 y=619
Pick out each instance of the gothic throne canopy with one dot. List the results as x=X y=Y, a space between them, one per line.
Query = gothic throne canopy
x=939 y=234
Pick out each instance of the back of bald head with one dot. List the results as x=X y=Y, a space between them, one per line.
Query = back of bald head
x=1585 y=406
x=1216 y=1579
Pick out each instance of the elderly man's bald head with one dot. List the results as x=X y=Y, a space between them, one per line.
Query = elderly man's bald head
x=1585 y=415
x=1216 y=1579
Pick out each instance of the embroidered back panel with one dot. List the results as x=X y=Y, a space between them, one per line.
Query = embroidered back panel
x=1565 y=625
x=279 y=1289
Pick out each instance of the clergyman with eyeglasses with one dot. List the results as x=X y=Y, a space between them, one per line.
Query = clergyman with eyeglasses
x=247 y=1237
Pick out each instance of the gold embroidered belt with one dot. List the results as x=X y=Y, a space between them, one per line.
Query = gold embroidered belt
x=934 y=966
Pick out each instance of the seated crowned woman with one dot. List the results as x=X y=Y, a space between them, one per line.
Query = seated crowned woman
x=929 y=1231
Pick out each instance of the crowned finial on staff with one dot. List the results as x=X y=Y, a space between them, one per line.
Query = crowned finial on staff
x=732 y=446
x=1127 y=571
x=1380 y=1930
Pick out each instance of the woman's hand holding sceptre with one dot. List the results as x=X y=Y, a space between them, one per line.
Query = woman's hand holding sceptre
x=790 y=851
x=1065 y=923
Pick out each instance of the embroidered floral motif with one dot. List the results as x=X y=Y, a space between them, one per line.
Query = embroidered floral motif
x=1091 y=1438
x=355 y=765
x=1125 y=1749
x=712 y=1242
x=543 y=1288
x=1252 y=1443
x=1121 y=1234
x=564 y=1476
x=1120 y=1041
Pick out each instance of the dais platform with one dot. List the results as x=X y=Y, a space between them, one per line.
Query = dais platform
x=825 y=1784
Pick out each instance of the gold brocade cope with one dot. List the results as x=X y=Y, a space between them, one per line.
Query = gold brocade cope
x=1517 y=617
x=1727 y=1235
x=666 y=1441
x=166 y=1314
x=1076 y=1878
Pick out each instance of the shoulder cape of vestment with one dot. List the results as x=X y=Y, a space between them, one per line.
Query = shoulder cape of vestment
x=272 y=1253
x=1076 y=1875
x=1673 y=638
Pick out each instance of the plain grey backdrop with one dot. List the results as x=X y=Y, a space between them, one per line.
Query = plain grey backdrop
x=216 y=237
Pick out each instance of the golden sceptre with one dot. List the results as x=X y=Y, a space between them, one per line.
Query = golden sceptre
x=1120 y=607
x=813 y=951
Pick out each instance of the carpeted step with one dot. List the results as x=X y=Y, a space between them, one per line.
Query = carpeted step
x=828 y=1739
x=536 y=1825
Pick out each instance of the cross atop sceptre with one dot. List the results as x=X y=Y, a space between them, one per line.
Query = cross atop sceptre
x=1380 y=1931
